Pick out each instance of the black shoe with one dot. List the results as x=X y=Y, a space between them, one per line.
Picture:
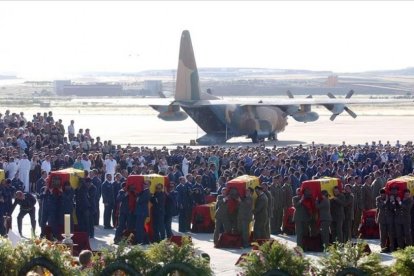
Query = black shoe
x=108 y=227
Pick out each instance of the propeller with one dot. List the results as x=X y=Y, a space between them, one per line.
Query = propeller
x=339 y=108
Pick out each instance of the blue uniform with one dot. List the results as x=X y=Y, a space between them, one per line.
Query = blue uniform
x=185 y=206
x=141 y=213
x=82 y=208
x=50 y=211
x=122 y=198
x=171 y=210
x=67 y=205
x=108 y=199
x=158 y=213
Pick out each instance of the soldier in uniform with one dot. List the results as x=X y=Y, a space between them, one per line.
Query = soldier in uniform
x=141 y=214
x=367 y=193
x=278 y=197
x=301 y=217
x=381 y=219
x=260 y=214
x=403 y=220
x=376 y=186
x=349 y=213
x=222 y=222
x=185 y=205
x=68 y=196
x=338 y=215
x=325 y=217
x=158 y=208
x=358 y=205
x=287 y=195
x=269 y=208
x=92 y=207
x=244 y=216
x=391 y=206
x=122 y=198
x=108 y=199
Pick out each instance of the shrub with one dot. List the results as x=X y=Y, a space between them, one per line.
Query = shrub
x=404 y=262
x=340 y=256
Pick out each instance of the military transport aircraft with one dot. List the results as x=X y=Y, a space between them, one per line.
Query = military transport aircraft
x=222 y=119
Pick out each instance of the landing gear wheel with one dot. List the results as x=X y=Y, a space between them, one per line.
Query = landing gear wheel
x=255 y=140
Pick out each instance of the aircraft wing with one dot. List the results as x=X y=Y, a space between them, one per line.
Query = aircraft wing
x=286 y=102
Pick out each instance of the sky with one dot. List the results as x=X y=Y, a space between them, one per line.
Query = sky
x=46 y=40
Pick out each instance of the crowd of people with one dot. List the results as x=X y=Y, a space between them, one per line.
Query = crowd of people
x=30 y=148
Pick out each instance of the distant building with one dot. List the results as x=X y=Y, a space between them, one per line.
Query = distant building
x=59 y=84
x=332 y=81
x=152 y=87
x=92 y=90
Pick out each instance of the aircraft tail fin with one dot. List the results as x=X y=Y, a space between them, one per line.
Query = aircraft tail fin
x=187 y=87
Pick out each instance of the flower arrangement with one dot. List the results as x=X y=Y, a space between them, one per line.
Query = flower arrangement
x=14 y=259
x=167 y=252
x=274 y=255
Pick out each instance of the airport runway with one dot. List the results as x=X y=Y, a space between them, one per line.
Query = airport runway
x=140 y=126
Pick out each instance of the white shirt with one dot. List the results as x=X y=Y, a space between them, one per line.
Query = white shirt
x=24 y=165
x=185 y=166
x=71 y=129
x=46 y=166
x=86 y=164
x=110 y=165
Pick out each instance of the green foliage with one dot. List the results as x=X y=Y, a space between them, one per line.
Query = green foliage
x=167 y=252
x=339 y=256
x=132 y=255
x=404 y=262
x=274 y=255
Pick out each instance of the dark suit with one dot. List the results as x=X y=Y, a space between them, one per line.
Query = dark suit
x=260 y=217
